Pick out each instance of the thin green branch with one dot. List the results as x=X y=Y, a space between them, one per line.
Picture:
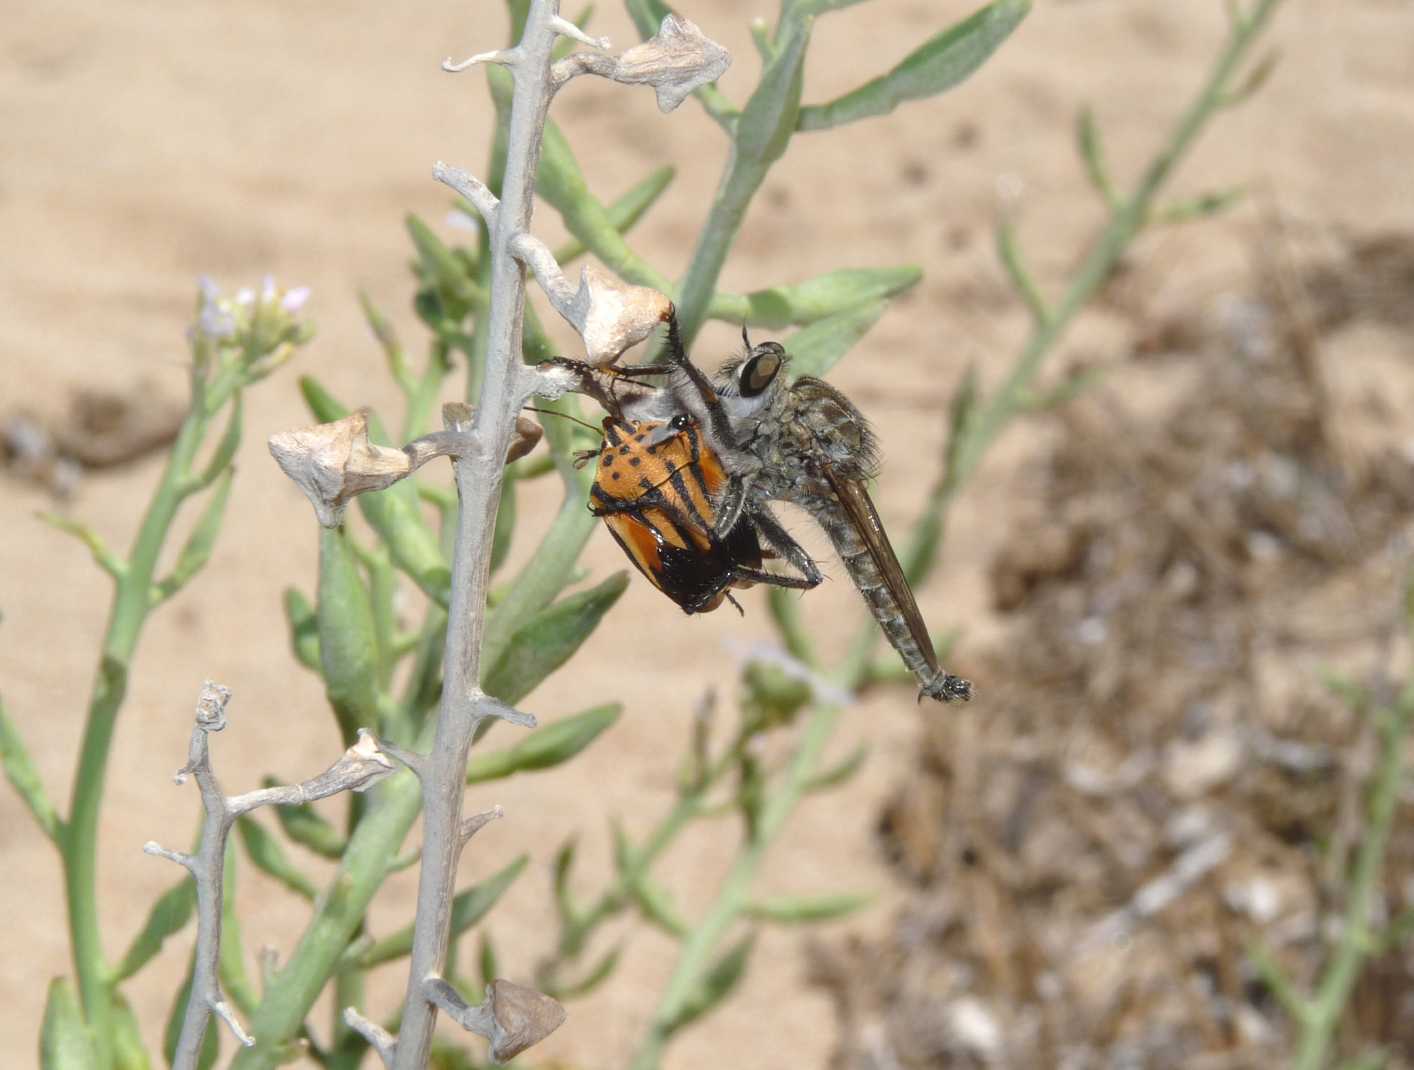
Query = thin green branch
x=1323 y=1012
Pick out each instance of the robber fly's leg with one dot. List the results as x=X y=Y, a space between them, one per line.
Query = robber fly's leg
x=722 y=429
x=728 y=507
x=769 y=528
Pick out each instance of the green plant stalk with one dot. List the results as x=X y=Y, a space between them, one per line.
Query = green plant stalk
x=745 y=172
x=734 y=895
x=1319 y=1017
x=1128 y=217
x=130 y=609
x=986 y=424
x=614 y=898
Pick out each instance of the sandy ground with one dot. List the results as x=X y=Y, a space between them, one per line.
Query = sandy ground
x=147 y=144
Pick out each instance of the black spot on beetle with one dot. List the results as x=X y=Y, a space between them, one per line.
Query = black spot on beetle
x=635 y=461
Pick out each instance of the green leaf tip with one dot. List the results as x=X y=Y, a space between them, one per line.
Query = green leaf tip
x=549 y=638
x=65 y=1042
x=939 y=64
x=544 y=747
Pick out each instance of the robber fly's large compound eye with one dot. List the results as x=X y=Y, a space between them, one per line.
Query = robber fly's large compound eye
x=761 y=368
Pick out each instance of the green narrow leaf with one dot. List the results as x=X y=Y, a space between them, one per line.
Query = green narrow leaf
x=324 y=405
x=387 y=341
x=225 y=451
x=597 y=975
x=814 y=350
x=1201 y=206
x=1092 y=154
x=716 y=984
x=1009 y=253
x=936 y=66
x=656 y=905
x=544 y=747
x=800 y=910
x=564 y=862
x=549 y=638
x=265 y=852
x=304 y=628
x=647 y=15
x=306 y=827
x=769 y=119
x=197 y=550
x=560 y=181
x=348 y=644
x=626 y=211
x=815 y=299
x=128 y=1050
x=24 y=777
x=486 y=959
x=505 y=523
x=442 y=270
x=841 y=773
x=235 y=981
x=468 y=908
x=103 y=557
x=168 y=915
x=210 y=1043
x=786 y=615
x=64 y=1040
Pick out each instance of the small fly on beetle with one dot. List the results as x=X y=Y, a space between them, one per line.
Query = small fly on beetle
x=802 y=442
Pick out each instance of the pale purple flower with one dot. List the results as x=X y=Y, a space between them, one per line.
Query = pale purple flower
x=294 y=299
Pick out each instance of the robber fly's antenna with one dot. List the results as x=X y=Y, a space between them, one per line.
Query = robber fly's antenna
x=745 y=339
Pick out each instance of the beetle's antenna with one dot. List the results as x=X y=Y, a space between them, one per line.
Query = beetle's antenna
x=566 y=416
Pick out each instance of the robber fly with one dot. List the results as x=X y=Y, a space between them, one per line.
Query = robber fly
x=654 y=487
x=802 y=442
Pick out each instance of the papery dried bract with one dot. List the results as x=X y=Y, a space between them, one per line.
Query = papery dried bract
x=675 y=61
x=612 y=315
x=334 y=462
x=522 y=1016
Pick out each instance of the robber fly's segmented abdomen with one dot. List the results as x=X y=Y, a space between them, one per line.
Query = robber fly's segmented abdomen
x=892 y=604
x=866 y=576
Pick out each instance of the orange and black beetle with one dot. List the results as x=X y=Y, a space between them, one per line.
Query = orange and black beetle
x=654 y=488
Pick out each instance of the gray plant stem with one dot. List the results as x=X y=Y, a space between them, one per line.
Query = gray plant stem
x=479 y=476
x=359 y=767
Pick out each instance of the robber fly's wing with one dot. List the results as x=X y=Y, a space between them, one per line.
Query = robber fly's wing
x=865 y=520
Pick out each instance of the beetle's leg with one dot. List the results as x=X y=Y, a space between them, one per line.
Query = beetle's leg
x=769 y=528
x=590 y=385
x=614 y=506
